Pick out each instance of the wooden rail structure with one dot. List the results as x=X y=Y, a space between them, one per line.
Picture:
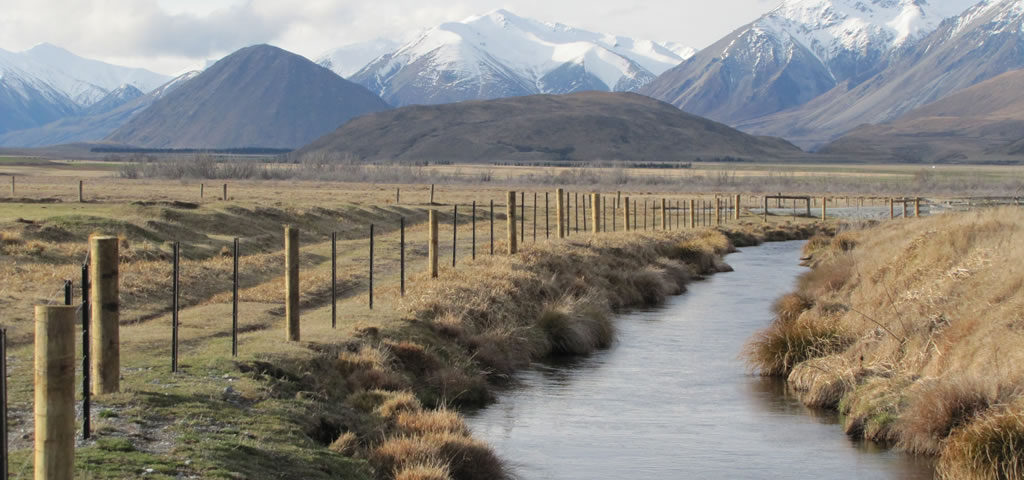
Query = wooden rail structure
x=780 y=198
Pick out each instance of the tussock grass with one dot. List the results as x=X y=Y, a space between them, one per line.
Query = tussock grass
x=936 y=407
x=431 y=421
x=911 y=329
x=778 y=349
x=990 y=447
x=434 y=470
x=577 y=326
x=465 y=457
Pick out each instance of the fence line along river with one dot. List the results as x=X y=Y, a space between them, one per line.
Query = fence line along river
x=672 y=398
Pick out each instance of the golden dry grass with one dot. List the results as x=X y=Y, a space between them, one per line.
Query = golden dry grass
x=383 y=376
x=932 y=313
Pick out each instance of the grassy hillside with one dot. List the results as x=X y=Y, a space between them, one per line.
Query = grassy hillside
x=983 y=122
x=912 y=329
x=589 y=126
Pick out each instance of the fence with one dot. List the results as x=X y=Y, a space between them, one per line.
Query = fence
x=100 y=299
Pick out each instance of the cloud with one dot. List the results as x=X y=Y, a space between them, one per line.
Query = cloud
x=170 y=35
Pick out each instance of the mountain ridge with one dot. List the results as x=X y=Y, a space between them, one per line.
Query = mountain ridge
x=583 y=126
x=500 y=54
x=259 y=96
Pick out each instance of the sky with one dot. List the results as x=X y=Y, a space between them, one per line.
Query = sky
x=174 y=36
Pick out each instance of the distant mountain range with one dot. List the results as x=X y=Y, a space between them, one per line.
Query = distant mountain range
x=795 y=53
x=502 y=55
x=985 y=122
x=259 y=96
x=981 y=43
x=47 y=83
x=878 y=79
x=95 y=122
x=584 y=126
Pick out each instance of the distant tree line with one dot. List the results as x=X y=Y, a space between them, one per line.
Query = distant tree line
x=190 y=151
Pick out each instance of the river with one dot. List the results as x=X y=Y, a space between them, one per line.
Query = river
x=672 y=398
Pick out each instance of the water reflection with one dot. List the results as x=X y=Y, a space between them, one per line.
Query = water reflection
x=671 y=399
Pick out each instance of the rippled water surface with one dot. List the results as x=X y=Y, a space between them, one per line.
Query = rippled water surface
x=672 y=398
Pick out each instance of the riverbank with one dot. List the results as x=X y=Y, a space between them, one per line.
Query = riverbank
x=911 y=329
x=472 y=328
x=376 y=397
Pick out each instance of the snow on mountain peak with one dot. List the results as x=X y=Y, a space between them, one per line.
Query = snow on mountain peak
x=527 y=55
x=83 y=80
x=831 y=28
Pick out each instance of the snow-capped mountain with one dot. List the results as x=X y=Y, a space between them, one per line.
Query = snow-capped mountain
x=46 y=83
x=26 y=101
x=349 y=59
x=83 y=80
x=97 y=121
x=500 y=55
x=796 y=52
x=983 y=42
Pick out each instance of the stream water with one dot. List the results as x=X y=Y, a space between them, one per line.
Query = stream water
x=673 y=400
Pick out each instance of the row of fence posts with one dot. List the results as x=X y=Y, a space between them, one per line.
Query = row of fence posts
x=54 y=345
x=81 y=190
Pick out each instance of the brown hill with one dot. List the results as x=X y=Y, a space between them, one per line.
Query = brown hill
x=259 y=96
x=578 y=127
x=983 y=122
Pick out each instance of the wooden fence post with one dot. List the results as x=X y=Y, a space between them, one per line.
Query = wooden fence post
x=455 y=233
x=54 y=392
x=431 y=193
x=225 y=198
x=522 y=217
x=824 y=211
x=625 y=216
x=547 y=215
x=737 y=208
x=401 y=256
x=234 y=300
x=534 y=217
x=892 y=209
x=202 y=190
x=334 y=279
x=718 y=211
x=4 y=466
x=560 y=213
x=492 y=227
x=432 y=244
x=398 y=195
x=664 y=214
x=81 y=192
x=576 y=209
x=175 y=295
x=595 y=210
x=104 y=301
x=584 y=212
x=511 y=200
x=291 y=283
x=371 y=266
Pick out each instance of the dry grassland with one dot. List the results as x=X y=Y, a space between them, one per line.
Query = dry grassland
x=912 y=330
x=374 y=398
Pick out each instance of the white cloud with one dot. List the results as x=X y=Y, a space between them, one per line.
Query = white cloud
x=173 y=35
